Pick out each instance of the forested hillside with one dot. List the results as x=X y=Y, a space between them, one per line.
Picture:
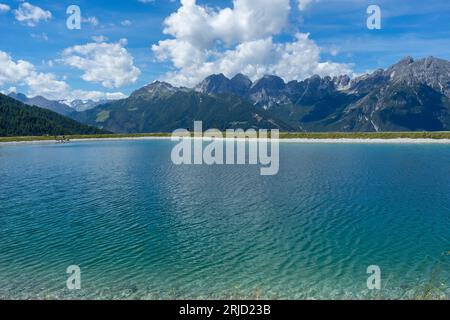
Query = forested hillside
x=18 y=119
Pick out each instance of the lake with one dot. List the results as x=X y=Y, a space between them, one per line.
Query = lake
x=140 y=227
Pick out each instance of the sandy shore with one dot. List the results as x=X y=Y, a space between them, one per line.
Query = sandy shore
x=369 y=141
x=293 y=140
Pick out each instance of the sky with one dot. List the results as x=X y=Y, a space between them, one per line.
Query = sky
x=123 y=45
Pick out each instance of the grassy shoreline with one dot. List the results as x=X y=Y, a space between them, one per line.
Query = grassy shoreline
x=299 y=135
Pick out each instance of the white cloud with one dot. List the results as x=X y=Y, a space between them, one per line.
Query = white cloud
x=13 y=72
x=24 y=73
x=4 y=7
x=301 y=59
x=31 y=15
x=126 y=23
x=46 y=85
x=246 y=31
x=182 y=53
x=247 y=20
x=107 y=63
x=8 y=91
x=94 y=95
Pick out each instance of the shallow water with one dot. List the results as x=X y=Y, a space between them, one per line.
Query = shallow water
x=140 y=227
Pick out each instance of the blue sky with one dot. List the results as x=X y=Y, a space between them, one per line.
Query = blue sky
x=338 y=41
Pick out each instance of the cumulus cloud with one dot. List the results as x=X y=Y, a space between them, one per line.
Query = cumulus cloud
x=238 y=40
x=107 y=63
x=31 y=15
x=45 y=84
x=4 y=7
x=11 y=71
x=247 y=20
x=24 y=73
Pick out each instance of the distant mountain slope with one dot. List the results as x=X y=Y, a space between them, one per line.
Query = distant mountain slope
x=409 y=96
x=42 y=102
x=160 y=107
x=65 y=108
x=18 y=119
x=83 y=105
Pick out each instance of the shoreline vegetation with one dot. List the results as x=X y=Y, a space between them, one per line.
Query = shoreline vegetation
x=283 y=136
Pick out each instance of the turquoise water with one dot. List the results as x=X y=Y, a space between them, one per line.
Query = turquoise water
x=142 y=228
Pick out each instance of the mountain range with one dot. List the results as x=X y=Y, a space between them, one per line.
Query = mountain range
x=19 y=119
x=64 y=108
x=42 y=102
x=412 y=95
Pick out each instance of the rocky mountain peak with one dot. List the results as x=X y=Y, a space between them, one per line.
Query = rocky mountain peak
x=406 y=61
x=154 y=89
x=214 y=84
x=160 y=85
x=430 y=71
x=364 y=84
x=241 y=85
x=269 y=83
x=341 y=82
x=241 y=80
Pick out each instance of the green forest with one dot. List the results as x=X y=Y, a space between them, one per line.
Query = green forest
x=18 y=119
